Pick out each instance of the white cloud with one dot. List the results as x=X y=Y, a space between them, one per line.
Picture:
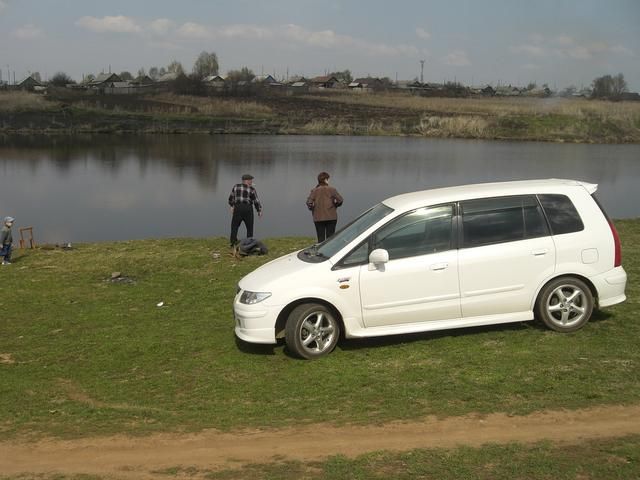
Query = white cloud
x=565 y=40
x=622 y=50
x=331 y=39
x=457 y=58
x=27 y=32
x=422 y=33
x=528 y=49
x=117 y=24
x=161 y=26
x=194 y=30
x=565 y=46
x=292 y=34
x=247 y=32
x=536 y=38
x=3 y=5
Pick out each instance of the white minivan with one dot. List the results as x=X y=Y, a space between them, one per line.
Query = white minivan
x=445 y=258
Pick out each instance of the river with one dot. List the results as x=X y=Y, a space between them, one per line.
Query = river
x=111 y=187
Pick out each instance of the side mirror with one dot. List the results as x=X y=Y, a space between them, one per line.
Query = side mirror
x=378 y=257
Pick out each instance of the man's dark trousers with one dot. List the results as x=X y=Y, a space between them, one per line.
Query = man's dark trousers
x=242 y=212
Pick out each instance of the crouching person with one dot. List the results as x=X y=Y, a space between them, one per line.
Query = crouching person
x=251 y=246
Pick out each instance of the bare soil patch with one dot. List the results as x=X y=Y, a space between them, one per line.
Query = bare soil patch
x=123 y=457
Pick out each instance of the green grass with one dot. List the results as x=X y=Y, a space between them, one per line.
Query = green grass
x=605 y=459
x=82 y=356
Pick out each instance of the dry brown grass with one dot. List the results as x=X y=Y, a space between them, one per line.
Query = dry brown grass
x=15 y=101
x=494 y=106
x=341 y=127
x=215 y=106
x=460 y=126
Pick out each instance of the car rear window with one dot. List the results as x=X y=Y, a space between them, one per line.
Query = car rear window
x=561 y=214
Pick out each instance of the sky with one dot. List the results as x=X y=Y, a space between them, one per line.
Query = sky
x=497 y=42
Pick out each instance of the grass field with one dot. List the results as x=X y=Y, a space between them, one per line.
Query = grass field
x=617 y=459
x=81 y=355
x=18 y=101
x=334 y=113
x=555 y=119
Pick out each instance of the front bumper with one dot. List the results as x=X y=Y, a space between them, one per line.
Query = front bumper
x=255 y=323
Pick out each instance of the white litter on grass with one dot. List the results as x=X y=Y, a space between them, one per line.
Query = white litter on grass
x=160 y=304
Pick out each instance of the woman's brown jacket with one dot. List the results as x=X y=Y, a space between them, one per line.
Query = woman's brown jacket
x=323 y=202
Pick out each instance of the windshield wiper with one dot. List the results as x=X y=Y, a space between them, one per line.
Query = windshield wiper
x=312 y=250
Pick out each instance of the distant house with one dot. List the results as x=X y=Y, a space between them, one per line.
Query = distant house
x=142 y=80
x=583 y=93
x=170 y=77
x=538 y=92
x=507 y=91
x=366 y=83
x=215 y=82
x=299 y=86
x=120 y=88
x=213 y=79
x=630 y=96
x=488 y=91
x=265 y=80
x=408 y=85
x=324 y=82
x=104 y=80
x=30 y=84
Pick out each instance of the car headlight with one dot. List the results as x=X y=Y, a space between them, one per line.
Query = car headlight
x=250 y=298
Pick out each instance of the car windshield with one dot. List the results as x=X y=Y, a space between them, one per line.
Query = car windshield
x=346 y=235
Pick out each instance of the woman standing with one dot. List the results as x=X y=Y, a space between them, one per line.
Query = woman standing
x=323 y=202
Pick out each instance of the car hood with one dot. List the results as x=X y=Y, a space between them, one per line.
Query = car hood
x=278 y=271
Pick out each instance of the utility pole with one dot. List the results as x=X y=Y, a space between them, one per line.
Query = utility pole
x=421 y=71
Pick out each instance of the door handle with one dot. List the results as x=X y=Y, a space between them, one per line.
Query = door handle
x=540 y=252
x=439 y=266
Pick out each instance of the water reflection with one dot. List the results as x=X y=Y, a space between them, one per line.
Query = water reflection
x=106 y=187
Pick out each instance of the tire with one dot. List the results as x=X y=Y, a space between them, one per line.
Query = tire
x=565 y=304
x=312 y=331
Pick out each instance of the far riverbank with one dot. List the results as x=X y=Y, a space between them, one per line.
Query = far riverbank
x=514 y=119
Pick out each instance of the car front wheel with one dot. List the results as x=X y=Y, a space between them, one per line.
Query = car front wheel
x=312 y=331
x=565 y=304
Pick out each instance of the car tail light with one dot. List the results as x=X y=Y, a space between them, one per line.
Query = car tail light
x=616 y=240
x=617 y=249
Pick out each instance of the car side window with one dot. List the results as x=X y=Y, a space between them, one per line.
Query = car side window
x=561 y=213
x=419 y=232
x=504 y=219
x=359 y=256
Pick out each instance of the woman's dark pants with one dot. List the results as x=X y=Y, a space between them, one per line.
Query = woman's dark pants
x=325 y=229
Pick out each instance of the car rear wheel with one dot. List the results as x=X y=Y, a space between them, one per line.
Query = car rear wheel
x=565 y=304
x=312 y=331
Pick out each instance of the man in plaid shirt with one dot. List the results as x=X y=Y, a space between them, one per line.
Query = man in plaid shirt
x=242 y=200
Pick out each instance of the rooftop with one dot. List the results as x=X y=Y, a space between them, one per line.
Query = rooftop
x=483 y=190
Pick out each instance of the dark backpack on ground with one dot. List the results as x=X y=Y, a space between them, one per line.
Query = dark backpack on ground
x=251 y=246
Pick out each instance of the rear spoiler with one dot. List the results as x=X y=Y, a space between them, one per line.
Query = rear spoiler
x=590 y=187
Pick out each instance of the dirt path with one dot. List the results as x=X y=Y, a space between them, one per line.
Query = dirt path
x=123 y=457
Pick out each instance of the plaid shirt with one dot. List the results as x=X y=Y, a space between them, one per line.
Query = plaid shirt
x=241 y=193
